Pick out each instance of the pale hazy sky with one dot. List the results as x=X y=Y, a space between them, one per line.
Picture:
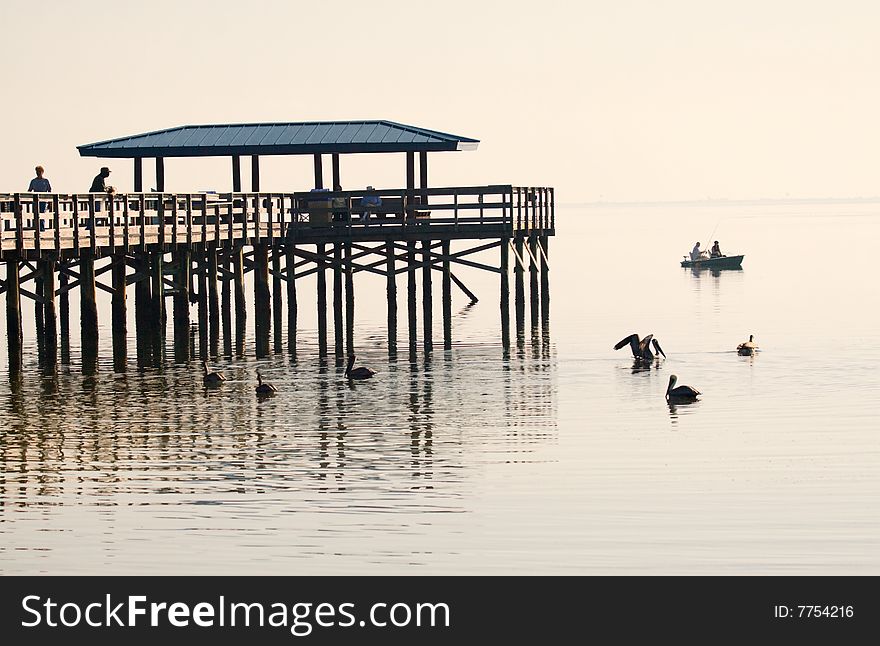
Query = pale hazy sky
x=615 y=100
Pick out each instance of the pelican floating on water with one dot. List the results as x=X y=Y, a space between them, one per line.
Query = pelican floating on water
x=264 y=388
x=680 y=393
x=212 y=378
x=747 y=348
x=357 y=373
x=641 y=349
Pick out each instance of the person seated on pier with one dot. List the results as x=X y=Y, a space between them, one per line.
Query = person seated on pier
x=98 y=184
x=368 y=201
x=716 y=251
x=339 y=205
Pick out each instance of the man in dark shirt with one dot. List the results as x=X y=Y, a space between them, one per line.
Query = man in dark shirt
x=98 y=185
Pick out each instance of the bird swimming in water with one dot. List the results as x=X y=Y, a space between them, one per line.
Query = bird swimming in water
x=212 y=378
x=747 y=348
x=264 y=388
x=357 y=373
x=641 y=349
x=680 y=393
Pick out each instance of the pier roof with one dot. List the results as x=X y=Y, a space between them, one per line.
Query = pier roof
x=298 y=138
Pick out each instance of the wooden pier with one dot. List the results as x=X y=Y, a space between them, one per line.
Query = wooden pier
x=195 y=249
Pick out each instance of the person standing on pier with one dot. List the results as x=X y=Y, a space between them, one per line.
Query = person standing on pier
x=98 y=185
x=39 y=184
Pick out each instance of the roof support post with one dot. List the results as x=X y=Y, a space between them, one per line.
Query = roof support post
x=236 y=174
x=255 y=173
x=336 y=180
x=410 y=179
x=138 y=174
x=160 y=174
x=423 y=176
x=319 y=172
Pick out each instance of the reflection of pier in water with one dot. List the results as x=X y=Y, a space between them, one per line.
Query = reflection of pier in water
x=427 y=427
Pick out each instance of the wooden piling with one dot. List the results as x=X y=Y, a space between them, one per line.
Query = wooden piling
x=391 y=293
x=533 y=279
x=13 y=316
x=277 y=303
x=337 y=298
x=291 y=300
x=182 y=289
x=262 y=299
x=50 y=317
x=545 y=282
x=226 y=304
x=427 y=300
x=447 y=296
x=202 y=300
x=238 y=284
x=520 y=290
x=118 y=306
x=88 y=312
x=64 y=313
x=411 y=292
x=505 y=293
x=213 y=299
x=322 y=291
x=154 y=288
x=349 y=302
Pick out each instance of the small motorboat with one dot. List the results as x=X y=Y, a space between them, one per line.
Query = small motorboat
x=719 y=262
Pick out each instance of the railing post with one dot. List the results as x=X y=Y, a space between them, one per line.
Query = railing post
x=455 y=210
x=143 y=221
x=204 y=213
x=111 y=214
x=19 y=223
x=553 y=208
x=75 y=223
x=56 y=221
x=125 y=216
x=189 y=219
x=160 y=216
x=257 y=219
x=92 y=208
x=36 y=221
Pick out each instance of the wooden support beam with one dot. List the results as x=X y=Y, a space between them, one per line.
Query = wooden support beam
x=88 y=313
x=322 y=298
x=338 y=330
x=236 y=174
x=138 y=174
x=319 y=172
x=543 y=247
x=411 y=292
x=255 y=173
x=391 y=294
x=64 y=315
x=213 y=298
x=160 y=174
x=262 y=304
x=183 y=282
x=505 y=295
x=50 y=318
x=201 y=272
x=277 y=304
x=226 y=303
x=349 y=303
x=519 y=281
x=291 y=300
x=119 y=322
x=13 y=317
x=447 y=297
x=337 y=182
x=533 y=280
x=427 y=299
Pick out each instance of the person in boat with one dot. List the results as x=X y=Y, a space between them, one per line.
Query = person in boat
x=716 y=251
x=697 y=253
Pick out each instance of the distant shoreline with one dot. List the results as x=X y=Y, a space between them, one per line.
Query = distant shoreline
x=722 y=202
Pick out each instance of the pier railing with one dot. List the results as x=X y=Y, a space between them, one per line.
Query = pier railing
x=41 y=222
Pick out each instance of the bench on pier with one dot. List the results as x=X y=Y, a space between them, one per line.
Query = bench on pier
x=322 y=211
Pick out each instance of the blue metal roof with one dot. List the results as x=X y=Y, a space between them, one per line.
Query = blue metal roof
x=300 y=138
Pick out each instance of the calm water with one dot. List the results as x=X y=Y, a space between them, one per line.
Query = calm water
x=558 y=458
